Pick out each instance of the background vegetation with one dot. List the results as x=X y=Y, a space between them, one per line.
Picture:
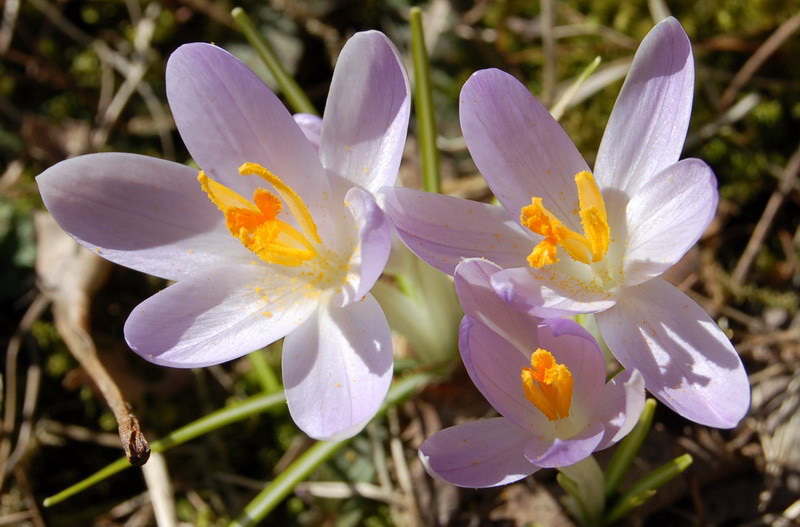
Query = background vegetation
x=84 y=76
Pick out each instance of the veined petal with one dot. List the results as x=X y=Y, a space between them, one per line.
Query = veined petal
x=366 y=117
x=554 y=452
x=621 y=406
x=518 y=146
x=337 y=369
x=227 y=116
x=667 y=217
x=494 y=365
x=311 y=125
x=373 y=244
x=141 y=212
x=547 y=292
x=575 y=347
x=485 y=453
x=686 y=360
x=480 y=301
x=217 y=316
x=442 y=230
x=647 y=127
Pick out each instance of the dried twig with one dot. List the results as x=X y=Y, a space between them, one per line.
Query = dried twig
x=786 y=184
x=758 y=58
x=549 y=48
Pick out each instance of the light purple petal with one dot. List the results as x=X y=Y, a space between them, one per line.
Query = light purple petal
x=495 y=367
x=647 y=127
x=518 y=146
x=667 y=217
x=227 y=116
x=366 y=117
x=141 y=212
x=687 y=362
x=217 y=316
x=311 y=125
x=575 y=347
x=480 y=301
x=621 y=406
x=484 y=453
x=546 y=293
x=337 y=369
x=442 y=230
x=556 y=452
x=372 y=247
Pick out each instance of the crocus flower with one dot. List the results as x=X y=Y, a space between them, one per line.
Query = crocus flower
x=575 y=242
x=546 y=378
x=271 y=238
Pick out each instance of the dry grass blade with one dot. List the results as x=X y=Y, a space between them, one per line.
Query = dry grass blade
x=68 y=274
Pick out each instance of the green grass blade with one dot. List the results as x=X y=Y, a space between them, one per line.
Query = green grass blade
x=423 y=106
x=279 y=488
x=295 y=95
x=628 y=448
x=558 y=109
x=249 y=407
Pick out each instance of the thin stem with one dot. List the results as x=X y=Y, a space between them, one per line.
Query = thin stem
x=277 y=490
x=266 y=375
x=423 y=106
x=295 y=96
x=248 y=407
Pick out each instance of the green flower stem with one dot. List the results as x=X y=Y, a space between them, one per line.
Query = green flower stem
x=646 y=487
x=587 y=477
x=279 y=488
x=225 y=416
x=628 y=448
x=266 y=375
x=295 y=96
x=423 y=106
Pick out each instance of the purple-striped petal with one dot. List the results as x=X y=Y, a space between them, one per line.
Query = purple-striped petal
x=518 y=146
x=217 y=316
x=374 y=242
x=311 y=125
x=554 y=452
x=366 y=116
x=575 y=347
x=337 y=368
x=141 y=212
x=442 y=230
x=227 y=116
x=480 y=301
x=495 y=365
x=484 y=453
x=647 y=127
x=686 y=360
x=548 y=292
x=667 y=217
x=621 y=405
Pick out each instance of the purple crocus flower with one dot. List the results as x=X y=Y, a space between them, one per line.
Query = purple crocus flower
x=546 y=378
x=274 y=237
x=572 y=242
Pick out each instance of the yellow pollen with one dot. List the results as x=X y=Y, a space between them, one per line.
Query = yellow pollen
x=548 y=385
x=256 y=223
x=589 y=247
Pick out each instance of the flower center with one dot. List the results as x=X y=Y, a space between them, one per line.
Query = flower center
x=548 y=385
x=589 y=247
x=256 y=223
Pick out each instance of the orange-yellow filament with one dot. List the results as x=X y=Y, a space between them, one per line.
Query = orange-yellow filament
x=548 y=385
x=256 y=223
x=589 y=247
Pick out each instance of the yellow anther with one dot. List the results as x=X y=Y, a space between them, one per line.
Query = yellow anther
x=293 y=201
x=548 y=385
x=589 y=247
x=256 y=223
